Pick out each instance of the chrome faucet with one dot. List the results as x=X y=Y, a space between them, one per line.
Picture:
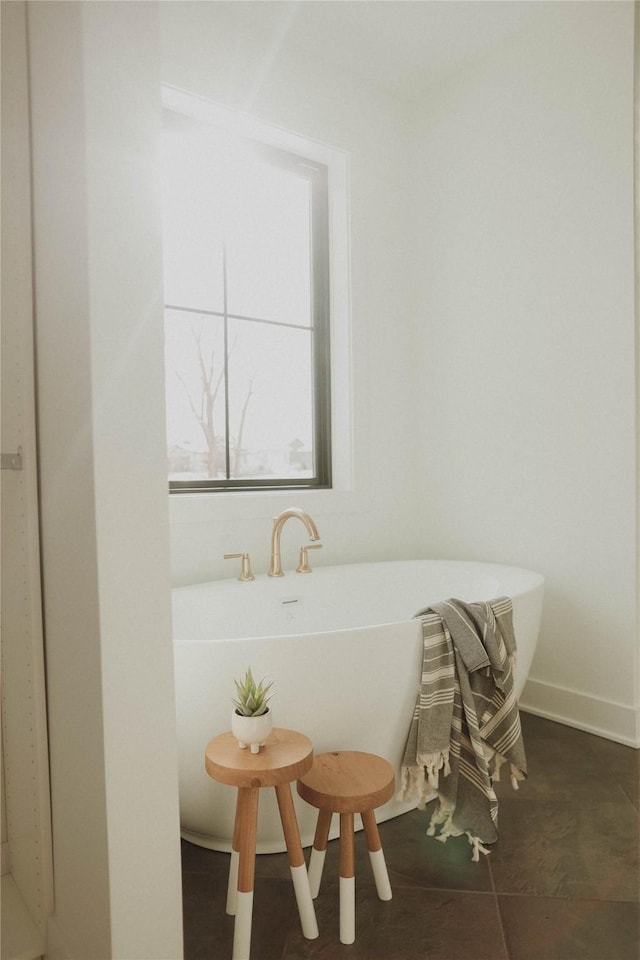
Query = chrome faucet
x=275 y=569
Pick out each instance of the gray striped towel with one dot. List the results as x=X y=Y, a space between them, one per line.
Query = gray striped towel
x=466 y=721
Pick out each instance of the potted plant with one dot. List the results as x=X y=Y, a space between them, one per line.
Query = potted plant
x=251 y=721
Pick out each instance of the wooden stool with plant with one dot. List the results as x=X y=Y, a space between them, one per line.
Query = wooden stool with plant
x=285 y=756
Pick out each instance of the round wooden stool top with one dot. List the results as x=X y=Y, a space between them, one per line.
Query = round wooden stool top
x=285 y=756
x=347 y=781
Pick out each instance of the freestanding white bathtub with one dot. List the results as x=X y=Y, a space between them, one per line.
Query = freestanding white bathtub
x=345 y=654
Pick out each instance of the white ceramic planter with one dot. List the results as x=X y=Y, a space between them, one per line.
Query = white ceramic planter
x=251 y=731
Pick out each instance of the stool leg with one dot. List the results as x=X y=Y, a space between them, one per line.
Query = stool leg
x=376 y=855
x=246 y=829
x=232 y=886
x=319 y=851
x=347 y=880
x=296 y=862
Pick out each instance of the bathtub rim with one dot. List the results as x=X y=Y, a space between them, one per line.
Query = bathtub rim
x=536 y=583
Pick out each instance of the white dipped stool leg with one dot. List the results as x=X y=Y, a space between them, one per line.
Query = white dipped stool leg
x=316 y=866
x=319 y=851
x=380 y=874
x=232 y=886
x=347 y=909
x=242 y=925
x=376 y=855
x=347 y=880
x=297 y=865
x=245 y=832
x=308 y=921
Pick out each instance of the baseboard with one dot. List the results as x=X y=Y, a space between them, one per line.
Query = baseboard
x=614 y=721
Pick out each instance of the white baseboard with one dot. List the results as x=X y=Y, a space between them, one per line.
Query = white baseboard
x=614 y=721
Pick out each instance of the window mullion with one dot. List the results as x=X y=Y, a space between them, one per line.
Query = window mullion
x=227 y=451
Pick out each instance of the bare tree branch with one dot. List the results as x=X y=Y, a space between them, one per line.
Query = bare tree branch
x=238 y=450
x=210 y=388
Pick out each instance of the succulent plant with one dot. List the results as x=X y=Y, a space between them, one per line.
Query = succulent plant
x=252 y=699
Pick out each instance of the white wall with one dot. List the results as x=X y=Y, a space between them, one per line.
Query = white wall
x=524 y=170
x=95 y=102
x=205 y=52
x=27 y=827
x=493 y=327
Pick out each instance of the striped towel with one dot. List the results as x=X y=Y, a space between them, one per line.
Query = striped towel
x=466 y=721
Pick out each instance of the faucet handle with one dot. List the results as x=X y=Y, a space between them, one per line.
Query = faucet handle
x=246 y=573
x=303 y=566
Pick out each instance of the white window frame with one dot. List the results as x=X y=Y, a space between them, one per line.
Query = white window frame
x=208 y=505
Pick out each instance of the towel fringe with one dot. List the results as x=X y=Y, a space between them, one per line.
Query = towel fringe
x=433 y=763
x=444 y=818
x=478 y=848
x=420 y=780
x=414 y=787
x=516 y=774
x=496 y=761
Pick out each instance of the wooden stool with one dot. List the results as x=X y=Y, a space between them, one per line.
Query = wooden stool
x=348 y=782
x=286 y=756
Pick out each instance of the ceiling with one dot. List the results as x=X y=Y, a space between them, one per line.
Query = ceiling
x=398 y=46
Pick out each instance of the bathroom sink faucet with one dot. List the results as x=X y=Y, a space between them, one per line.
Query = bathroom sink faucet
x=275 y=569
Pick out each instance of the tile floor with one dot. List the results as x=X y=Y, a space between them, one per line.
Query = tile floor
x=562 y=883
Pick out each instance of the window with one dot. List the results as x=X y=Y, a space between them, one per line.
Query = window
x=246 y=268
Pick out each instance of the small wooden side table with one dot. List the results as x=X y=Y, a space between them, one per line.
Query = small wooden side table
x=286 y=756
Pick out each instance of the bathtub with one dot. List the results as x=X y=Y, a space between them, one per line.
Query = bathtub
x=345 y=656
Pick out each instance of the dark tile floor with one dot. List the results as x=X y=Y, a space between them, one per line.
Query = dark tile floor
x=562 y=882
